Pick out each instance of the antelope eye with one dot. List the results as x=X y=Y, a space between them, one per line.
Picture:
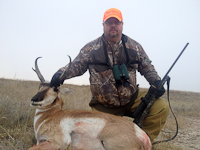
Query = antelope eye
x=55 y=89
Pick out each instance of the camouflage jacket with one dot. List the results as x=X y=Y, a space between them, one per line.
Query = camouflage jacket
x=102 y=83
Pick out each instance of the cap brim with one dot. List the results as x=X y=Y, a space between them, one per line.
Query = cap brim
x=111 y=17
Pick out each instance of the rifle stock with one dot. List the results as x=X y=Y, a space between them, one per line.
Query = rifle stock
x=143 y=109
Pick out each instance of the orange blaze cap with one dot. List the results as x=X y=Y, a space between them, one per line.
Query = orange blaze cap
x=112 y=12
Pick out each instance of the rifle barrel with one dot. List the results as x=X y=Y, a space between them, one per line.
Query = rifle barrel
x=173 y=65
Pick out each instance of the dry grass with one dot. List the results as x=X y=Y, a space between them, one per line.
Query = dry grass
x=16 y=115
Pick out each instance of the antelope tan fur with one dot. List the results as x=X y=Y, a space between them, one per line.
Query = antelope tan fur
x=57 y=129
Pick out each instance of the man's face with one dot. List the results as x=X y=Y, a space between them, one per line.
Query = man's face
x=113 y=29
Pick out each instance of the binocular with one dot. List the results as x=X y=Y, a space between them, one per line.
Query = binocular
x=120 y=72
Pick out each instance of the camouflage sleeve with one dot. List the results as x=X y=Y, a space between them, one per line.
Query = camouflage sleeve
x=79 y=65
x=145 y=67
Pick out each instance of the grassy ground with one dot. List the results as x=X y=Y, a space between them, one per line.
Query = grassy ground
x=16 y=115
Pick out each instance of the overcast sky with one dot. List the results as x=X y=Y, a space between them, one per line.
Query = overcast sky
x=54 y=29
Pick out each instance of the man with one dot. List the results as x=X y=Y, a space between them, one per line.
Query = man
x=112 y=60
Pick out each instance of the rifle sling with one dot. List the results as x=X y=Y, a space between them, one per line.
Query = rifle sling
x=168 y=82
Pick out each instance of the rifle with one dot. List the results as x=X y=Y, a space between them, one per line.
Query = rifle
x=143 y=109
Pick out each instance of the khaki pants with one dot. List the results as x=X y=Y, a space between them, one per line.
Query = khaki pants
x=152 y=124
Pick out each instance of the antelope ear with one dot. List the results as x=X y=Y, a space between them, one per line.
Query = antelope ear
x=66 y=91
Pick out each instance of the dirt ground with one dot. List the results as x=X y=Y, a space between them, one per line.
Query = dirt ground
x=188 y=137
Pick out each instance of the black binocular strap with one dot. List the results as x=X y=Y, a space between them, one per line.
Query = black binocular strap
x=105 y=53
x=125 y=49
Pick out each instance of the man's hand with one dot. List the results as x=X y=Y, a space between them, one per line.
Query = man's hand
x=159 y=92
x=55 y=81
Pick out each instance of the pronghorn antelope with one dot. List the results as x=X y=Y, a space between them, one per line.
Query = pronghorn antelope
x=79 y=129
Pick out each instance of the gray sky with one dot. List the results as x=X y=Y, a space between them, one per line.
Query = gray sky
x=54 y=29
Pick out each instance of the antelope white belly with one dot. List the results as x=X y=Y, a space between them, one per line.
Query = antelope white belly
x=87 y=127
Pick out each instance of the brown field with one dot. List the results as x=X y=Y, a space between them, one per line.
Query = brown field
x=16 y=115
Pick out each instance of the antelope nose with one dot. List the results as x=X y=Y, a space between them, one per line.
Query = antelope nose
x=36 y=99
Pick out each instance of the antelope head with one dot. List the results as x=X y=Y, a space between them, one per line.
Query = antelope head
x=47 y=95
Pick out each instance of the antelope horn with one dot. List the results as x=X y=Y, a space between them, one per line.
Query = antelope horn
x=38 y=71
x=66 y=70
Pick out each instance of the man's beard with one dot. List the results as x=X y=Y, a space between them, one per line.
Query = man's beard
x=113 y=35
